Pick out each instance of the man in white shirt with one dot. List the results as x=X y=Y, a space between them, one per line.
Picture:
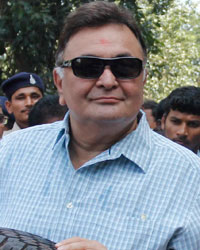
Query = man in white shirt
x=181 y=119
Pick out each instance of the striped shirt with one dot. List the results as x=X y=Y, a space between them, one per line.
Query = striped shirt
x=140 y=194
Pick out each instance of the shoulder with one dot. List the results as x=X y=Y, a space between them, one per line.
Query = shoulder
x=174 y=153
x=154 y=153
x=32 y=135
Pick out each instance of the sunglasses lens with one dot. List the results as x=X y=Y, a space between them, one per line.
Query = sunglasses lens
x=87 y=67
x=127 y=68
x=122 y=68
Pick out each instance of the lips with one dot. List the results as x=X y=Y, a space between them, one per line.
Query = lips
x=181 y=142
x=26 y=111
x=107 y=99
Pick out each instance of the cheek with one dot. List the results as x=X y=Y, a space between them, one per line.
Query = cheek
x=131 y=88
x=75 y=88
x=18 y=106
x=72 y=96
x=195 y=136
x=135 y=95
x=169 y=128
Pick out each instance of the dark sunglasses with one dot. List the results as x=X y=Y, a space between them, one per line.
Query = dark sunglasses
x=92 y=67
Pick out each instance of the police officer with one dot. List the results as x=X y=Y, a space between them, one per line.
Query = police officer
x=23 y=90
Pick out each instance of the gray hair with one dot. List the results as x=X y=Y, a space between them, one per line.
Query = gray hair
x=96 y=14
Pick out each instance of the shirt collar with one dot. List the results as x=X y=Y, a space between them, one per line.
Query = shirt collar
x=63 y=132
x=136 y=146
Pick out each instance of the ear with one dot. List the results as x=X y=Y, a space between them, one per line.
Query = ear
x=163 y=122
x=9 y=107
x=58 y=82
x=144 y=78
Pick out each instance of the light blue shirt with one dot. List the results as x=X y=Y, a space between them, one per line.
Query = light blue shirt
x=140 y=194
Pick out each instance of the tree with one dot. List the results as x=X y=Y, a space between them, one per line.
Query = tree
x=29 y=31
x=178 y=61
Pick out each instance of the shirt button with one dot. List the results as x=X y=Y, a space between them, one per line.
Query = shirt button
x=70 y=205
x=143 y=217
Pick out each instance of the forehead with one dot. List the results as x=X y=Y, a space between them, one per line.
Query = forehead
x=26 y=91
x=183 y=116
x=105 y=41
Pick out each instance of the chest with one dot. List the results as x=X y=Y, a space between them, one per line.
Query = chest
x=123 y=209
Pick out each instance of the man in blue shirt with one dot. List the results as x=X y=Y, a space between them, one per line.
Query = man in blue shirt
x=101 y=179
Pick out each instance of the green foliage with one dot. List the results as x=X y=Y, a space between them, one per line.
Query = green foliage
x=29 y=31
x=177 y=63
x=28 y=36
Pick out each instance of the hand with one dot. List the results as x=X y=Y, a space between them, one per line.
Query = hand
x=77 y=243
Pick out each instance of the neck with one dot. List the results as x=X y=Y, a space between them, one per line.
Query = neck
x=22 y=125
x=89 y=140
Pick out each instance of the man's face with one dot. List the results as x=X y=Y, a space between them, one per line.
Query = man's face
x=21 y=103
x=105 y=99
x=182 y=128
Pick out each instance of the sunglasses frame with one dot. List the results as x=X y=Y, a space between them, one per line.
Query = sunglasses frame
x=106 y=61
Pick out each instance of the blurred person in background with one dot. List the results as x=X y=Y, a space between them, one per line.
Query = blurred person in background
x=23 y=90
x=7 y=120
x=3 y=121
x=181 y=119
x=10 y=117
x=159 y=112
x=47 y=110
x=149 y=107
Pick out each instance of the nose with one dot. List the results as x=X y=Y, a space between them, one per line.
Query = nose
x=29 y=101
x=107 y=80
x=182 y=130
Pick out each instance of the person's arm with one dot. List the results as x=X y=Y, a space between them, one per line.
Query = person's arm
x=189 y=237
x=77 y=243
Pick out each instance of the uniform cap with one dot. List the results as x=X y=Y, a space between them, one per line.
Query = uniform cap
x=21 y=80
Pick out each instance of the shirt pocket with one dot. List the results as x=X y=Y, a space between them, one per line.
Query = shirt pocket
x=116 y=232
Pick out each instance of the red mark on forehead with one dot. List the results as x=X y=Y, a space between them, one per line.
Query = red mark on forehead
x=104 y=41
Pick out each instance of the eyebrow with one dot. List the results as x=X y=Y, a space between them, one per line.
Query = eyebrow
x=174 y=117
x=196 y=121
x=24 y=94
x=21 y=94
